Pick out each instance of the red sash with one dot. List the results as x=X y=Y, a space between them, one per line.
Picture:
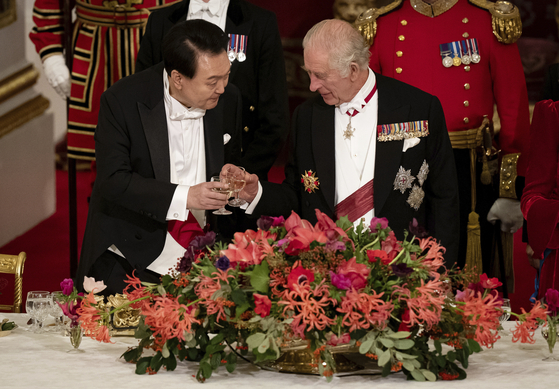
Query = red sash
x=357 y=204
x=184 y=231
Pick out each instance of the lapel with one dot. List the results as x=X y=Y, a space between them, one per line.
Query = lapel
x=388 y=154
x=238 y=23
x=154 y=122
x=213 y=139
x=323 y=148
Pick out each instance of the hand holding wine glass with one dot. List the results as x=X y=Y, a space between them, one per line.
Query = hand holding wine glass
x=237 y=181
x=224 y=189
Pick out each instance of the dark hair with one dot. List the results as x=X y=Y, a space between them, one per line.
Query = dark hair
x=187 y=40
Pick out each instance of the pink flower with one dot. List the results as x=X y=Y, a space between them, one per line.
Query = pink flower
x=378 y=223
x=90 y=285
x=263 y=304
x=357 y=273
x=391 y=246
x=335 y=341
x=340 y=281
x=552 y=300
x=67 y=286
x=295 y=221
x=298 y=276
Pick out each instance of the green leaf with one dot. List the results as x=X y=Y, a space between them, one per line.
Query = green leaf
x=404 y=344
x=255 y=340
x=142 y=365
x=156 y=362
x=417 y=375
x=259 y=277
x=366 y=345
x=429 y=375
x=451 y=356
x=441 y=360
x=239 y=296
x=165 y=351
x=388 y=343
x=438 y=346
x=264 y=346
x=161 y=290
x=474 y=346
x=215 y=360
x=399 y=335
x=206 y=369
x=408 y=365
x=170 y=363
x=384 y=358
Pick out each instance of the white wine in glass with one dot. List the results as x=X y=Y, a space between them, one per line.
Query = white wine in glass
x=227 y=191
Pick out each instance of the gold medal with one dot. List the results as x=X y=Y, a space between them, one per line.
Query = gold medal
x=456 y=61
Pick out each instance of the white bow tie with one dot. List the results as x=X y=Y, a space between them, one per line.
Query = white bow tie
x=356 y=104
x=192 y=113
x=212 y=6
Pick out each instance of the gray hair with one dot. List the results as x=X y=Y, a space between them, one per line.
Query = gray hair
x=343 y=43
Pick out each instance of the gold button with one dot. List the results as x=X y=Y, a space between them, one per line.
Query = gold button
x=465 y=20
x=399 y=53
x=246 y=129
x=507 y=187
x=398 y=70
x=467 y=68
x=466 y=103
x=508 y=175
x=467 y=86
x=466 y=120
x=402 y=38
x=465 y=35
x=252 y=108
x=404 y=22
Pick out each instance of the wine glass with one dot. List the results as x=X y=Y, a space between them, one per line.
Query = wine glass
x=238 y=183
x=56 y=311
x=504 y=316
x=34 y=306
x=227 y=191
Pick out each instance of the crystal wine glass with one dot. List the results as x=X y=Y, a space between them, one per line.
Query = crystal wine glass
x=227 y=191
x=56 y=311
x=504 y=316
x=35 y=301
x=238 y=183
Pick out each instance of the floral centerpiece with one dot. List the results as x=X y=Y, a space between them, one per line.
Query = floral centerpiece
x=551 y=321
x=327 y=285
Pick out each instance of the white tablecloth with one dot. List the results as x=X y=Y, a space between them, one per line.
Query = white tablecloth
x=29 y=360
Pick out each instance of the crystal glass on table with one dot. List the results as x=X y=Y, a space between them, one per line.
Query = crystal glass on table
x=238 y=183
x=56 y=311
x=32 y=297
x=505 y=316
x=227 y=191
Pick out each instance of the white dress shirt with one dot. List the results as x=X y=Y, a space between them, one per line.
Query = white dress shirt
x=355 y=157
x=213 y=11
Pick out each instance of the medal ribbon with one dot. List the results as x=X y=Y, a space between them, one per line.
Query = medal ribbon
x=367 y=99
x=357 y=204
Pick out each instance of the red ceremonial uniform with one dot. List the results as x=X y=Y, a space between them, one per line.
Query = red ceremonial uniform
x=540 y=200
x=106 y=40
x=407 y=46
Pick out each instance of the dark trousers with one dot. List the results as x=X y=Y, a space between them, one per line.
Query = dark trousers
x=113 y=269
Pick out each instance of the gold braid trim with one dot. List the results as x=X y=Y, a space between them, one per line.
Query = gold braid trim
x=366 y=23
x=508 y=176
x=505 y=19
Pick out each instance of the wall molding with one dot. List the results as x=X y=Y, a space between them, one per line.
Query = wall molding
x=17 y=82
x=23 y=114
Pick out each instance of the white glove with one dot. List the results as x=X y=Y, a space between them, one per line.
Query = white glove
x=508 y=212
x=57 y=74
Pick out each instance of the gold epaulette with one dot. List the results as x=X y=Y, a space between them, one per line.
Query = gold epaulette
x=505 y=19
x=366 y=23
x=508 y=176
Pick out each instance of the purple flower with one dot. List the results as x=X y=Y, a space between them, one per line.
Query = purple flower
x=401 y=270
x=552 y=300
x=340 y=281
x=378 y=223
x=278 y=221
x=335 y=245
x=200 y=242
x=185 y=263
x=222 y=263
x=265 y=222
x=417 y=230
x=67 y=286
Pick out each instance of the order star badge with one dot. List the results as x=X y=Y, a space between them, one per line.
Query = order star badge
x=310 y=181
x=416 y=197
x=423 y=171
x=403 y=180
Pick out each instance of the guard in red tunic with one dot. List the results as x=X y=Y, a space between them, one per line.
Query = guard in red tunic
x=106 y=40
x=463 y=52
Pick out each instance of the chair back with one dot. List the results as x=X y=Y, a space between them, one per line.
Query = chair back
x=13 y=264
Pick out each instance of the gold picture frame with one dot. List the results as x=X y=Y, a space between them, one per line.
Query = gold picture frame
x=7 y=12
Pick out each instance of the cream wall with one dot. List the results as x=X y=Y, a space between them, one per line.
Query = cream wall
x=27 y=175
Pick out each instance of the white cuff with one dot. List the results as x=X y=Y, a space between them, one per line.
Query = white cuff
x=178 y=208
x=249 y=208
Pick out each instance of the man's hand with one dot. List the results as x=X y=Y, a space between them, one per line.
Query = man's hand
x=251 y=188
x=58 y=75
x=202 y=196
x=508 y=212
x=534 y=262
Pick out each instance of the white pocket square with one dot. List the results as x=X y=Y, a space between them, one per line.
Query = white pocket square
x=226 y=138
x=409 y=143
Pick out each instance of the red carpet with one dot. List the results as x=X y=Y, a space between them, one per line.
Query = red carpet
x=48 y=255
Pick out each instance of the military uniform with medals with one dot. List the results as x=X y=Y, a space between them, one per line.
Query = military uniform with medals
x=463 y=52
